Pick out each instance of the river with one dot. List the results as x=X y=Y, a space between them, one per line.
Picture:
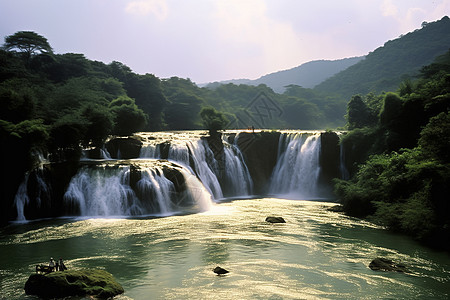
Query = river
x=316 y=254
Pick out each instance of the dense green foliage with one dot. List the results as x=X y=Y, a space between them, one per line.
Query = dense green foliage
x=400 y=163
x=386 y=67
x=213 y=120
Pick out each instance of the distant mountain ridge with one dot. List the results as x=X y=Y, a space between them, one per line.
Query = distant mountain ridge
x=386 y=67
x=306 y=75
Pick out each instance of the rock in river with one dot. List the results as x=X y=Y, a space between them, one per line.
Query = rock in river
x=85 y=282
x=383 y=264
x=275 y=220
x=220 y=271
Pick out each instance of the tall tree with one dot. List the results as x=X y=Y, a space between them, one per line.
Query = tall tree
x=213 y=120
x=358 y=114
x=28 y=42
x=128 y=117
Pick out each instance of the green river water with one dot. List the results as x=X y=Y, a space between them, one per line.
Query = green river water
x=317 y=254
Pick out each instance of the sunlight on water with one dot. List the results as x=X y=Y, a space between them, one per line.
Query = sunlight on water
x=316 y=254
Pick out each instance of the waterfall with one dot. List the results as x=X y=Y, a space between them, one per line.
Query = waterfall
x=104 y=153
x=150 y=151
x=195 y=170
x=104 y=190
x=205 y=166
x=237 y=175
x=154 y=185
x=179 y=153
x=196 y=192
x=297 y=170
x=196 y=155
x=31 y=198
x=343 y=169
x=21 y=199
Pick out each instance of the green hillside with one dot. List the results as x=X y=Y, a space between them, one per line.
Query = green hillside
x=386 y=67
x=306 y=75
x=397 y=152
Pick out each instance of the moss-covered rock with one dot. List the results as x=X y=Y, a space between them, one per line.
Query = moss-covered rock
x=85 y=282
x=124 y=147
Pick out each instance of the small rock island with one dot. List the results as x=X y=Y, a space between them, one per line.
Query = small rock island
x=83 y=282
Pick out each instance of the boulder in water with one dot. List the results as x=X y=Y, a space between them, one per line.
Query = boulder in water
x=220 y=271
x=275 y=220
x=86 y=282
x=383 y=264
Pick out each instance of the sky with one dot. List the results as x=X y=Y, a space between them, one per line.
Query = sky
x=213 y=40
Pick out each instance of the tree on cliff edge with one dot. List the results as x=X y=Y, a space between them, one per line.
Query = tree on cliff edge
x=28 y=42
x=213 y=120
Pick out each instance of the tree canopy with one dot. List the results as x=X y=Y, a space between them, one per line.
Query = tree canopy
x=27 y=42
x=213 y=120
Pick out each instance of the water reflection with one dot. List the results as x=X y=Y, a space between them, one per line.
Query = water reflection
x=215 y=252
x=316 y=254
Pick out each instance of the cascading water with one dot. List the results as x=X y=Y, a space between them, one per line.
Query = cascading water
x=204 y=166
x=342 y=168
x=210 y=170
x=104 y=190
x=31 y=198
x=196 y=155
x=155 y=186
x=237 y=176
x=21 y=199
x=150 y=151
x=296 y=173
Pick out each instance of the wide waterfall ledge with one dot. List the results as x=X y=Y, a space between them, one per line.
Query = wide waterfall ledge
x=134 y=188
x=168 y=173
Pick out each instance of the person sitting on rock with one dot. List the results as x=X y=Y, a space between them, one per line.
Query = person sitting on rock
x=62 y=266
x=52 y=264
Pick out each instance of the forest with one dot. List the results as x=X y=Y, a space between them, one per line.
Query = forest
x=396 y=149
x=397 y=153
x=59 y=102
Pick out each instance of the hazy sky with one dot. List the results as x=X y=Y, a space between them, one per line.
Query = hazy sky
x=209 y=40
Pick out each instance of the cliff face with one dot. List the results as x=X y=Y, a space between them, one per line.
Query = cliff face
x=260 y=152
x=329 y=160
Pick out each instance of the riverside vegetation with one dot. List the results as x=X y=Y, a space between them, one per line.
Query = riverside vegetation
x=396 y=149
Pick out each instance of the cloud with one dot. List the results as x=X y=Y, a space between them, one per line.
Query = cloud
x=158 y=8
x=260 y=43
x=388 y=8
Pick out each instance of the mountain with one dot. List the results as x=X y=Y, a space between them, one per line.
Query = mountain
x=387 y=66
x=306 y=75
